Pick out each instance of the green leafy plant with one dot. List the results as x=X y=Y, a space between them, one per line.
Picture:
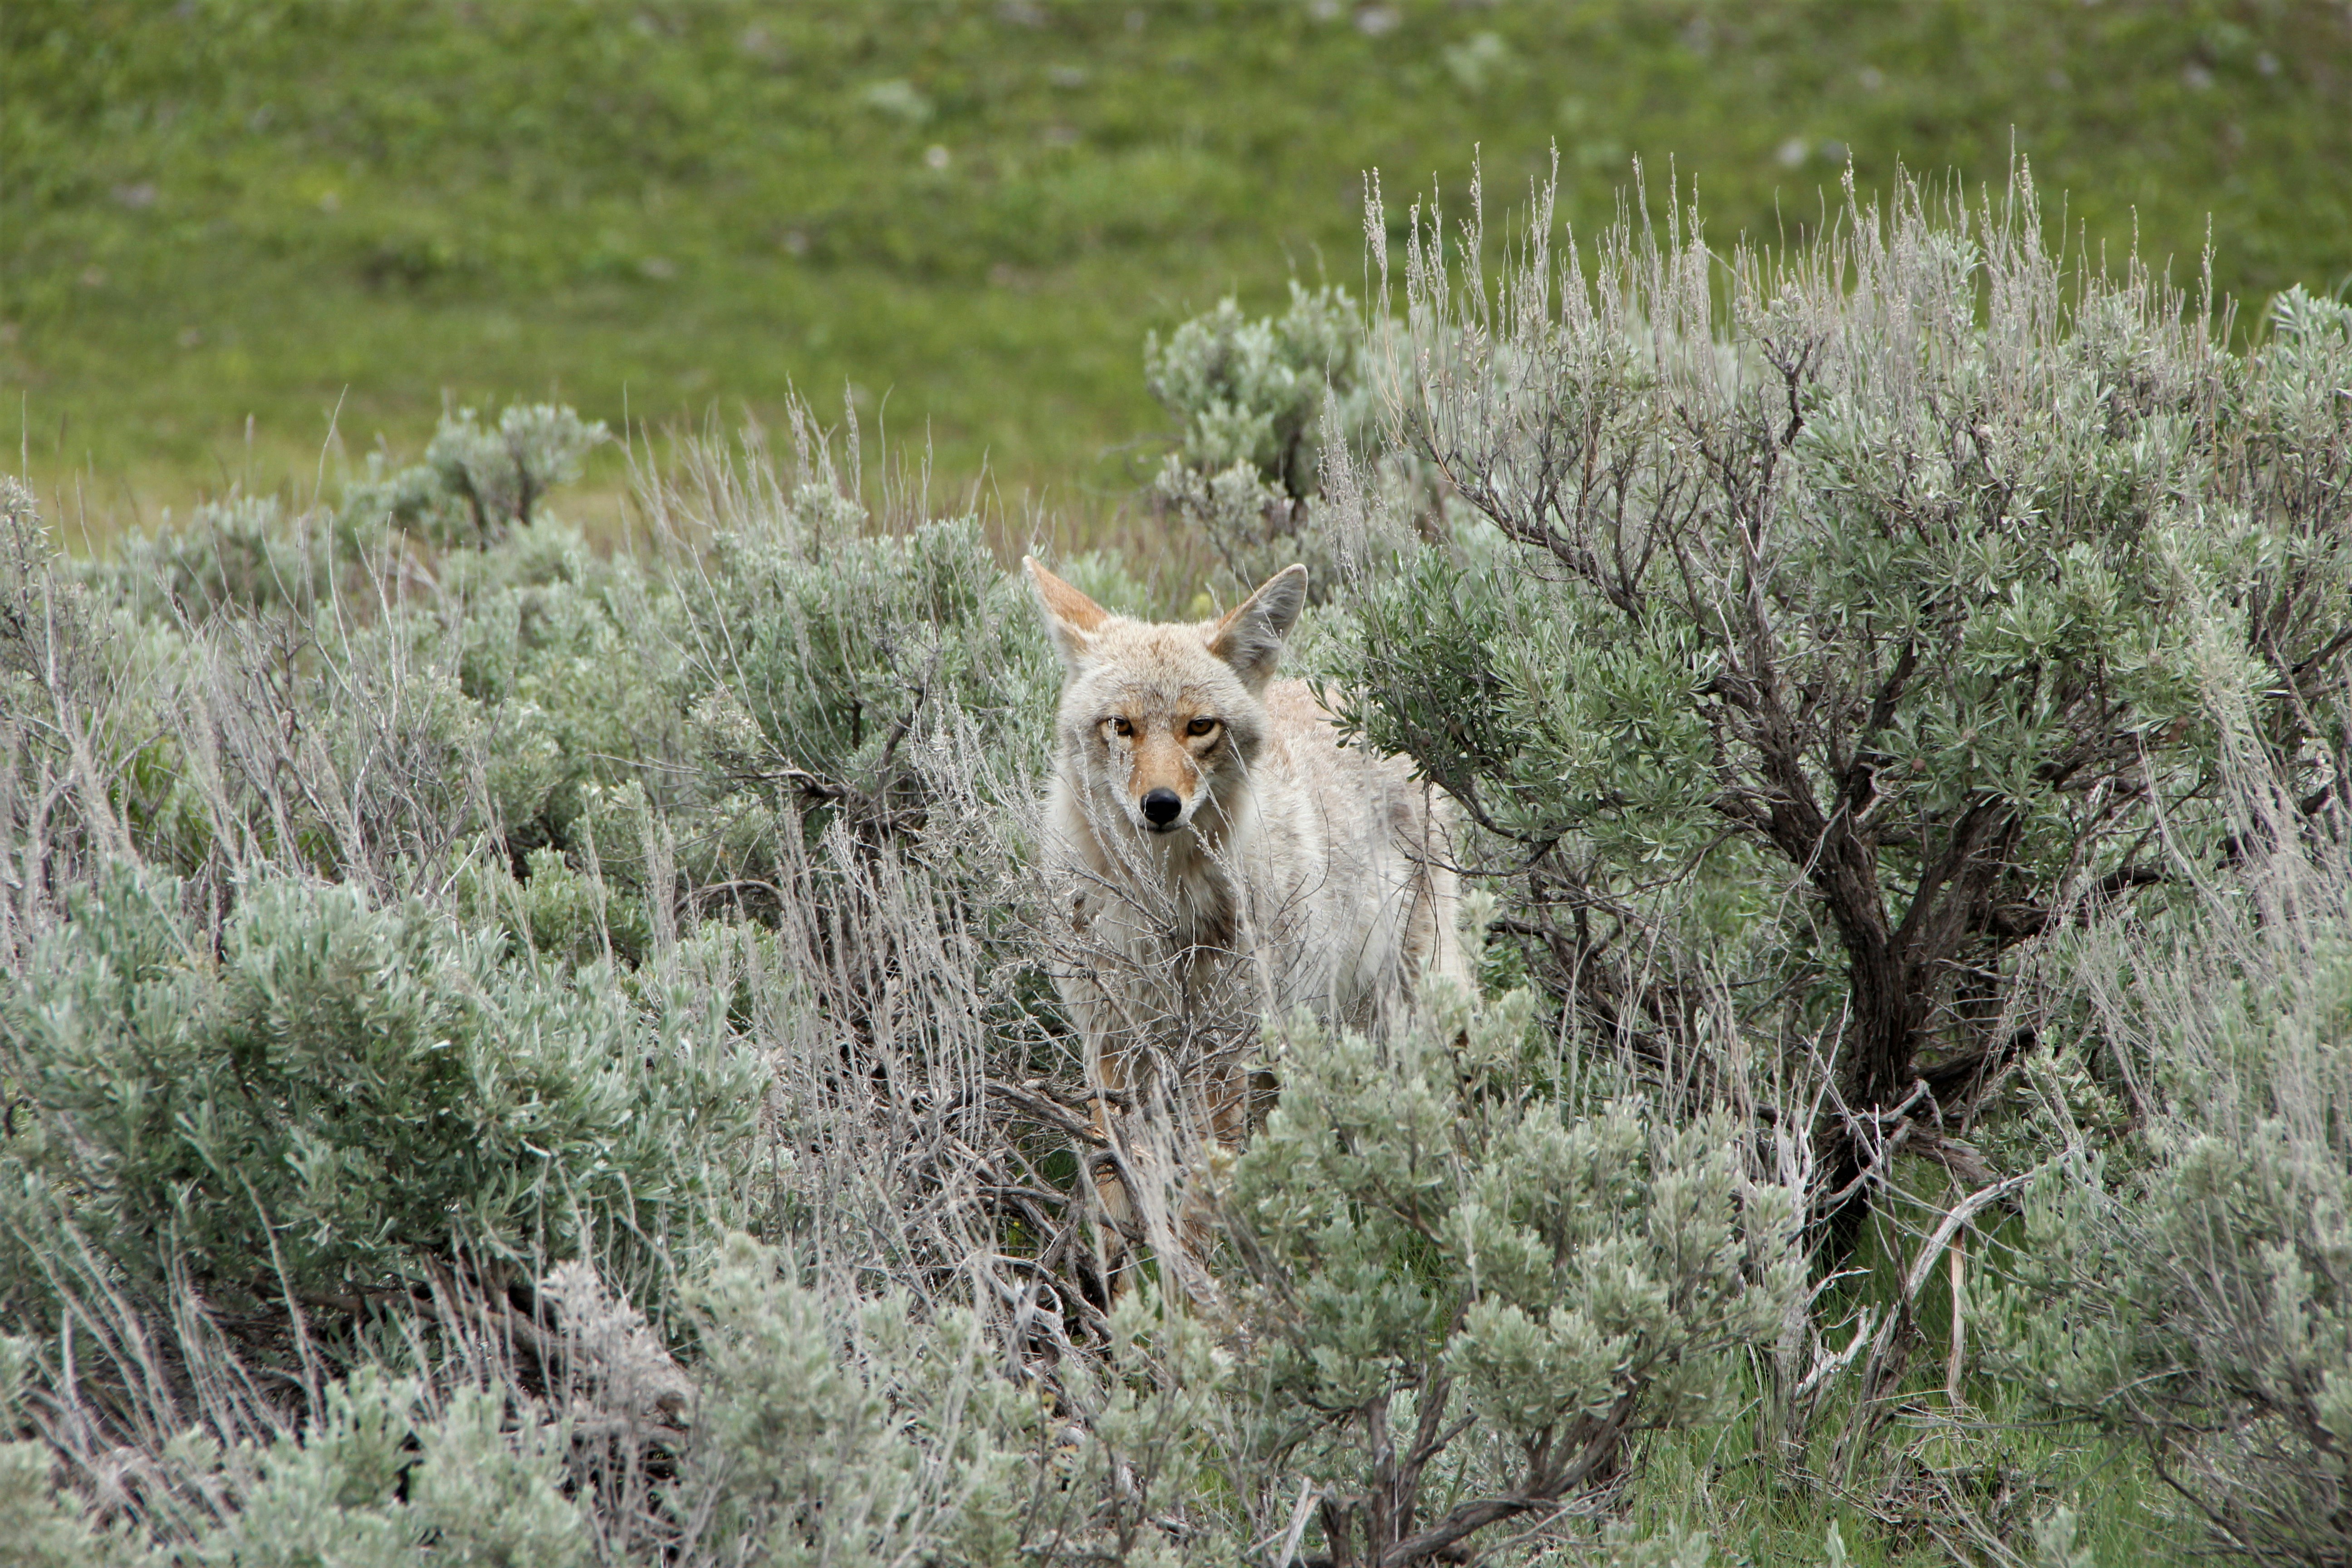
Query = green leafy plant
x=242 y=554
x=1860 y=603
x=1258 y=401
x=2188 y=1287
x=1449 y=1258
x=1250 y=394
x=478 y=482
x=351 y=1096
x=380 y=1482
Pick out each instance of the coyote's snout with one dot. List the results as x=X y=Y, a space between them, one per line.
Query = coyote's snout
x=1219 y=858
x=1164 y=751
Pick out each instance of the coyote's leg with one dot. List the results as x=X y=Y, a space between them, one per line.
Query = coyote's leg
x=1112 y=1097
x=1222 y=1111
x=1441 y=904
x=1154 y=1144
x=1432 y=942
x=1229 y=1087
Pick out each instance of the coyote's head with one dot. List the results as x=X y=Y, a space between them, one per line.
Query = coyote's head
x=1162 y=721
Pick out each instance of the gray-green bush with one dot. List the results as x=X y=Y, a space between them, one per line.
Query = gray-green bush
x=1824 y=622
x=1258 y=401
x=476 y=484
x=1459 y=1271
x=346 y=1092
x=2188 y=1287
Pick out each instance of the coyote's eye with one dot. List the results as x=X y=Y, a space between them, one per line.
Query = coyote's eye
x=1202 y=727
x=1121 y=727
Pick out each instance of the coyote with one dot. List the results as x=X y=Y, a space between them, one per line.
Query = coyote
x=1218 y=857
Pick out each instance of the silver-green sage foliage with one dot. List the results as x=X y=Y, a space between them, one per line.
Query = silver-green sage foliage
x=345 y=1097
x=2189 y=1286
x=1258 y=400
x=1459 y=1271
x=475 y=482
x=1817 y=626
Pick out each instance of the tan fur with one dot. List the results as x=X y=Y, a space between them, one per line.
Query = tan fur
x=1297 y=873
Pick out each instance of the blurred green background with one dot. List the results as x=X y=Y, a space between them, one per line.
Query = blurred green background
x=224 y=226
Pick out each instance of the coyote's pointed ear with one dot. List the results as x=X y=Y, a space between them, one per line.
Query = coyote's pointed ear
x=1250 y=637
x=1070 y=615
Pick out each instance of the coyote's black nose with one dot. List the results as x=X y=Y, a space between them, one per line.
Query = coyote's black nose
x=1161 y=806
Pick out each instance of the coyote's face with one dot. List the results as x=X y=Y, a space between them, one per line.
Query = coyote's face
x=1159 y=724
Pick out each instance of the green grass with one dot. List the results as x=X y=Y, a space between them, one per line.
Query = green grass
x=214 y=212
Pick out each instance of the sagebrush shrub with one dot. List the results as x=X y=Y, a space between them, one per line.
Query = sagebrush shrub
x=869 y=1441
x=826 y=672
x=379 y=1481
x=1451 y=1261
x=1258 y=401
x=476 y=484
x=577 y=681
x=244 y=553
x=1251 y=392
x=348 y=1093
x=1848 y=599
x=2191 y=1285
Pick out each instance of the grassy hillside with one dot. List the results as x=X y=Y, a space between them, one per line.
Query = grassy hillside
x=221 y=221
